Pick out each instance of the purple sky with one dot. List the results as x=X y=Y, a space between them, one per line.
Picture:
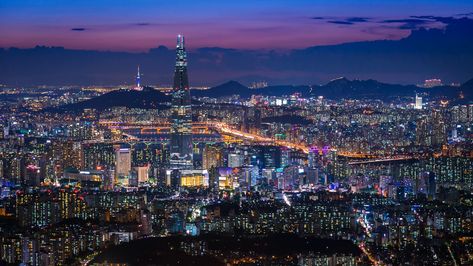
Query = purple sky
x=139 y=25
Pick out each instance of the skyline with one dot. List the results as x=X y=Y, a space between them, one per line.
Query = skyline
x=276 y=133
x=288 y=175
x=277 y=25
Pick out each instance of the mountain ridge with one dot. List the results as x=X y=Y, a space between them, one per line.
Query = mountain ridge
x=148 y=98
x=341 y=88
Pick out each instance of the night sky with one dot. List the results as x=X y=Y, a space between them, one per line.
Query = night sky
x=282 y=42
x=139 y=25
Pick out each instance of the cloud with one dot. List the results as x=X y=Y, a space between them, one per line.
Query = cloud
x=344 y=21
x=113 y=26
x=358 y=19
x=340 y=22
x=466 y=14
x=445 y=20
x=406 y=20
x=407 y=24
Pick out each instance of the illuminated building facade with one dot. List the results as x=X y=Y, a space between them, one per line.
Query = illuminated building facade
x=181 y=120
x=143 y=173
x=418 y=103
x=430 y=83
x=212 y=157
x=123 y=162
x=188 y=178
x=98 y=154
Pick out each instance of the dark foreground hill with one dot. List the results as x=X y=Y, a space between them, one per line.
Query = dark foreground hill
x=221 y=249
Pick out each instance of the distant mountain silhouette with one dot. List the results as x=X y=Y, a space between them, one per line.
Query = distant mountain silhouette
x=283 y=90
x=148 y=98
x=235 y=88
x=425 y=53
x=341 y=88
x=372 y=89
x=359 y=89
x=467 y=87
x=336 y=89
x=226 y=89
x=467 y=91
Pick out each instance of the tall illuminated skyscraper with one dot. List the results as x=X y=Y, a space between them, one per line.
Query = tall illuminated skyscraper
x=181 y=124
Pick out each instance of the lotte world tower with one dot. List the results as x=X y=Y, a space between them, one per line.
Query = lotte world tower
x=181 y=120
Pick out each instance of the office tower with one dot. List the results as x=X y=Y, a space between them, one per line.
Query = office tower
x=439 y=131
x=66 y=154
x=285 y=157
x=426 y=184
x=33 y=175
x=423 y=136
x=212 y=157
x=96 y=155
x=270 y=156
x=123 y=162
x=431 y=185
x=14 y=169
x=181 y=124
x=108 y=179
x=418 y=103
x=81 y=131
x=235 y=160
x=140 y=154
x=312 y=158
x=143 y=173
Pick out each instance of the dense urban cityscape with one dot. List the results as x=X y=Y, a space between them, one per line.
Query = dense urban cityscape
x=345 y=172
x=390 y=180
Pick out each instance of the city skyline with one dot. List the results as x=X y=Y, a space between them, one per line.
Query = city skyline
x=274 y=133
